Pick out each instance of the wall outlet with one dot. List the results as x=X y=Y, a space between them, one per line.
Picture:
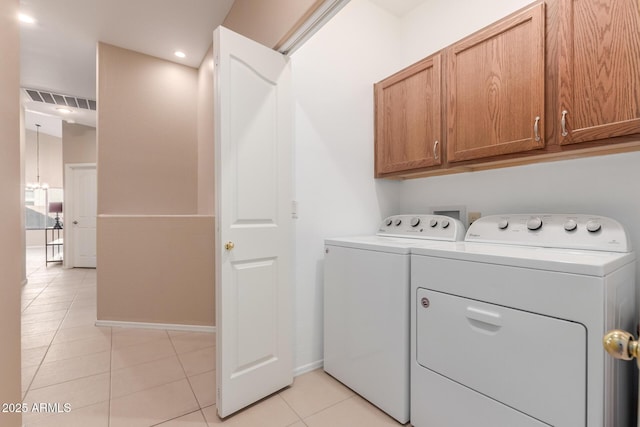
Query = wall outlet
x=473 y=216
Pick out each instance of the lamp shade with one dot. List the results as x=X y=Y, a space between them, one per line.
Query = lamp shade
x=55 y=207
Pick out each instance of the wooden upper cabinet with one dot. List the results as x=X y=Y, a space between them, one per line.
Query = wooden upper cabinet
x=495 y=88
x=599 y=48
x=408 y=118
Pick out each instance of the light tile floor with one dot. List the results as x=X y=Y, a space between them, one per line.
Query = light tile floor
x=115 y=377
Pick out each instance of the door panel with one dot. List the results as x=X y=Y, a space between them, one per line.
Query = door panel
x=599 y=76
x=81 y=219
x=495 y=93
x=254 y=231
x=408 y=118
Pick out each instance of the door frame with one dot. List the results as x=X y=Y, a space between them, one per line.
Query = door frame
x=69 y=208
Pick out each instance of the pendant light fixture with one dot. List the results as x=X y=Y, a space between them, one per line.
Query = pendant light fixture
x=37 y=184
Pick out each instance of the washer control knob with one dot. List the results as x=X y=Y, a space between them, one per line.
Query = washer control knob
x=570 y=225
x=593 y=226
x=445 y=223
x=503 y=224
x=415 y=221
x=534 y=224
x=388 y=222
x=433 y=223
x=397 y=222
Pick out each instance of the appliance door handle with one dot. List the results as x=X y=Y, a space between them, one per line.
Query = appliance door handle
x=484 y=320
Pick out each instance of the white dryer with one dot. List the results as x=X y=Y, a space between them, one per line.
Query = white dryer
x=506 y=327
x=366 y=307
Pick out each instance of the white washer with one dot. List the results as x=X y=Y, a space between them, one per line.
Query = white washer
x=506 y=327
x=366 y=307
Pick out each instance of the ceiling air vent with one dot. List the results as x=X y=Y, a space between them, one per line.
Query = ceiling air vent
x=57 y=99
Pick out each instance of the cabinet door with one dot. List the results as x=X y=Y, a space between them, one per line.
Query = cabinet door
x=408 y=118
x=599 y=46
x=495 y=89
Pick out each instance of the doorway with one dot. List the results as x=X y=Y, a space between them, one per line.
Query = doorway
x=81 y=206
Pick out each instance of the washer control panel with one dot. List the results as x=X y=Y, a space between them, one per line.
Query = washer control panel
x=589 y=232
x=433 y=227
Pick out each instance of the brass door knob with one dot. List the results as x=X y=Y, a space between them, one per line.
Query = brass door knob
x=229 y=245
x=621 y=345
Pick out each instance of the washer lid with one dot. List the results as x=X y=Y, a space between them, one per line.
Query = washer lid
x=591 y=263
x=378 y=243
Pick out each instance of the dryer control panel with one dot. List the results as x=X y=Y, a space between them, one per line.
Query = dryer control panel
x=590 y=232
x=432 y=227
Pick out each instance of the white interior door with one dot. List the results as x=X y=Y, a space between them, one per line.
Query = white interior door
x=80 y=218
x=254 y=236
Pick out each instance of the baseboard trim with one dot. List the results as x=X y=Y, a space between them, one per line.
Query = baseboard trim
x=308 y=367
x=144 y=325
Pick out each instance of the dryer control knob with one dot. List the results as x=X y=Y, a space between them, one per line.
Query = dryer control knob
x=570 y=225
x=397 y=222
x=388 y=222
x=593 y=226
x=433 y=223
x=534 y=224
x=415 y=221
x=445 y=223
x=503 y=224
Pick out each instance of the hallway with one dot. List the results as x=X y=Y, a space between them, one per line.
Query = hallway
x=116 y=377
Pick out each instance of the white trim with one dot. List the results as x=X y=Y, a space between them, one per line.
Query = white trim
x=144 y=325
x=308 y=367
x=320 y=17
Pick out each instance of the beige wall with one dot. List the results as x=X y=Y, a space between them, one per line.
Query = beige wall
x=157 y=269
x=78 y=143
x=147 y=144
x=268 y=21
x=155 y=256
x=206 y=171
x=50 y=159
x=11 y=256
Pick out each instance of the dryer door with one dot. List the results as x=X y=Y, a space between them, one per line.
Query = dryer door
x=532 y=363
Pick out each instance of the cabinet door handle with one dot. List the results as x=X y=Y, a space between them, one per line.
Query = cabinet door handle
x=535 y=129
x=435 y=150
x=563 y=123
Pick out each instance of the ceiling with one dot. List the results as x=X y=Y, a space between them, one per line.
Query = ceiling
x=58 y=51
x=398 y=7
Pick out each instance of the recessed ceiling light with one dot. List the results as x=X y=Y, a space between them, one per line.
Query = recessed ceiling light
x=26 y=18
x=179 y=54
x=64 y=110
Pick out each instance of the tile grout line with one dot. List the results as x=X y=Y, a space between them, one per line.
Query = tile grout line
x=291 y=407
x=48 y=346
x=28 y=389
x=175 y=350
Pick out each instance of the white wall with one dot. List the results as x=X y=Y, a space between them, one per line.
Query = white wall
x=438 y=23
x=334 y=74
